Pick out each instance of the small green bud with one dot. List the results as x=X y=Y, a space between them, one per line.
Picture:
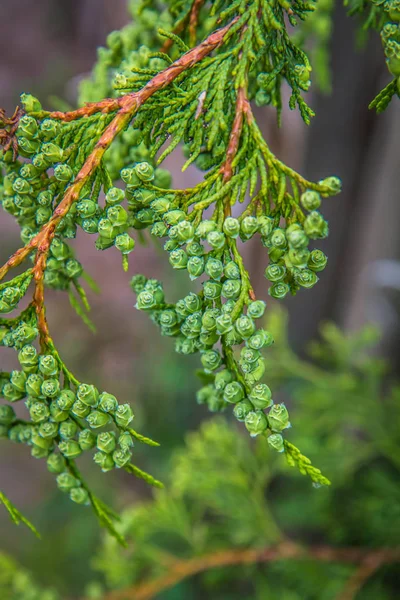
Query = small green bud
x=276 y=442
x=211 y=360
x=137 y=283
x=233 y=392
x=233 y=338
x=147 y=301
x=279 y=290
x=66 y=399
x=254 y=371
x=232 y=270
x=49 y=129
x=52 y=153
x=315 y=225
x=86 y=439
x=242 y=409
x=59 y=249
x=209 y=319
x=231 y=227
x=70 y=448
x=159 y=229
x=56 y=463
x=39 y=452
x=160 y=206
x=88 y=394
x=222 y=379
x=124 y=243
x=245 y=326
x=125 y=440
x=275 y=272
x=216 y=239
x=63 y=173
x=260 y=339
x=105 y=461
x=256 y=309
x=47 y=430
x=173 y=217
x=28 y=146
x=79 y=495
x=306 y=278
x=162 y=177
x=28 y=358
x=178 y=259
x=18 y=380
x=193 y=302
x=297 y=238
x=205 y=228
x=278 y=417
x=39 y=412
x=68 y=429
x=333 y=183
x=256 y=422
x=185 y=346
x=50 y=388
x=21 y=186
x=130 y=177
x=317 y=260
x=27 y=127
x=297 y=258
x=43 y=215
x=184 y=231
x=56 y=413
x=121 y=457
x=66 y=481
x=97 y=419
x=278 y=239
x=24 y=334
x=231 y=289
x=224 y=324
x=108 y=403
x=144 y=171
x=7 y=414
x=10 y=393
x=195 y=266
x=214 y=268
x=106 y=442
x=30 y=103
x=123 y=415
x=212 y=290
x=115 y=196
x=86 y=208
x=48 y=365
x=90 y=225
x=248 y=227
x=117 y=216
x=310 y=200
x=195 y=249
x=260 y=396
x=39 y=161
x=80 y=409
x=208 y=338
x=191 y=327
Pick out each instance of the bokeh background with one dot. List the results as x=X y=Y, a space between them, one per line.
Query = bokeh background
x=46 y=47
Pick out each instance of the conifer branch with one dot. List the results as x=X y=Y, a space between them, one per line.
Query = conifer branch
x=128 y=106
x=286 y=550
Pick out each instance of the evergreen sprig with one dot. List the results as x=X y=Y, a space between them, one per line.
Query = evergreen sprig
x=191 y=83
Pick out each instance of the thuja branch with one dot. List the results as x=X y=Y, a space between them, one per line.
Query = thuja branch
x=127 y=107
x=182 y=569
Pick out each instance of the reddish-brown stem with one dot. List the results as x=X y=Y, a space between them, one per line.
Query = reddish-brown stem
x=104 y=106
x=193 y=20
x=242 y=108
x=284 y=551
x=38 y=299
x=128 y=107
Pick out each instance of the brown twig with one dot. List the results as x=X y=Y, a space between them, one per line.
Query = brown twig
x=193 y=20
x=358 y=579
x=286 y=550
x=7 y=134
x=242 y=108
x=128 y=107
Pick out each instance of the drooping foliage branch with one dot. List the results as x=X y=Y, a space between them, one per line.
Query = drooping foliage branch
x=192 y=82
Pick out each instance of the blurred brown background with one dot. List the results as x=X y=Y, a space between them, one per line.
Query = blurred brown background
x=46 y=46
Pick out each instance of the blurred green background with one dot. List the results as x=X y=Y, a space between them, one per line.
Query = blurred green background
x=345 y=415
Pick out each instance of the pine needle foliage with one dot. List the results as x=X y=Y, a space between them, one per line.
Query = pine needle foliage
x=183 y=72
